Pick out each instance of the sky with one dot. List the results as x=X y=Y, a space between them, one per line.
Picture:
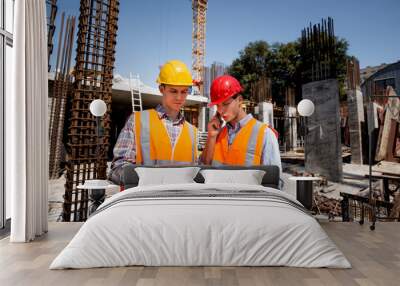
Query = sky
x=151 y=32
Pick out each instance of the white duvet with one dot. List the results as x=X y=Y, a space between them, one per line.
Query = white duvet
x=207 y=230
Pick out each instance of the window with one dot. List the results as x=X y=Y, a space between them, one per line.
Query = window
x=6 y=43
x=382 y=84
x=9 y=15
x=2 y=195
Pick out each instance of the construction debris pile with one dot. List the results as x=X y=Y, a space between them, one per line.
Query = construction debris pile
x=325 y=205
x=322 y=204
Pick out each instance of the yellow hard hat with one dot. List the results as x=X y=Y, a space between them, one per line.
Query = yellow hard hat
x=174 y=73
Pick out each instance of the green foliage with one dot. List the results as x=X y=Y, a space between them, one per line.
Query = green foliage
x=341 y=65
x=283 y=64
x=252 y=64
x=285 y=68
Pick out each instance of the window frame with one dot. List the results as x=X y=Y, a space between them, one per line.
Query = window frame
x=6 y=39
x=2 y=89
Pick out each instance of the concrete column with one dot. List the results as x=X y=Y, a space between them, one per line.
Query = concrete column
x=290 y=127
x=266 y=113
x=202 y=118
x=323 y=150
x=356 y=116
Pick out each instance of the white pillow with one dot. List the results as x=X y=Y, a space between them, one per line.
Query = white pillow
x=166 y=176
x=248 y=177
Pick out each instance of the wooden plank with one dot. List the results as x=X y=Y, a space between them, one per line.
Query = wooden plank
x=393 y=104
x=378 y=143
x=390 y=156
x=383 y=176
x=385 y=167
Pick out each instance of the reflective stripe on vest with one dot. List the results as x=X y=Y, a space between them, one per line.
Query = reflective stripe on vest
x=246 y=149
x=153 y=144
x=192 y=138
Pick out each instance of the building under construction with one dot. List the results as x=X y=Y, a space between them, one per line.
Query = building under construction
x=81 y=147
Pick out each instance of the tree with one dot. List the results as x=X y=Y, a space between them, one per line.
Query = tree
x=283 y=64
x=341 y=65
x=252 y=64
x=285 y=69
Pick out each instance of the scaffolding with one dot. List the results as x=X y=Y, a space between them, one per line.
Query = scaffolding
x=261 y=91
x=62 y=85
x=95 y=57
x=318 y=50
x=353 y=80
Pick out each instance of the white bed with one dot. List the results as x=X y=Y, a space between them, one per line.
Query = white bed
x=222 y=225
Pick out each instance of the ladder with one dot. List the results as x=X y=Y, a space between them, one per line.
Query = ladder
x=202 y=139
x=136 y=95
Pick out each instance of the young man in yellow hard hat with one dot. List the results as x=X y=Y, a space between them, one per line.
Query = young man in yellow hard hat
x=244 y=140
x=160 y=136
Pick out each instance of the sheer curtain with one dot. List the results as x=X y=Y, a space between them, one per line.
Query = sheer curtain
x=26 y=124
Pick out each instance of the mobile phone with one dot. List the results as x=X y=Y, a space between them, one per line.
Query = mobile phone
x=219 y=117
x=220 y=121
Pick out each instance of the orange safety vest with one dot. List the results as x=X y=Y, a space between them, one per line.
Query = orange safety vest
x=246 y=148
x=153 y=144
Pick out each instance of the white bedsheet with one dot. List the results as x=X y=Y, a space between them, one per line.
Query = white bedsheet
x=200 y=231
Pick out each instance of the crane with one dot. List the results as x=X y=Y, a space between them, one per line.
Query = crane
x=198 y=43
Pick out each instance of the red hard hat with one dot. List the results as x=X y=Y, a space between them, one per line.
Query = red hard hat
x=222 y=88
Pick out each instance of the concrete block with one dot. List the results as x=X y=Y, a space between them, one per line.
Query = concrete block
x=266 y=113
x=323 y=152
x=356 y=116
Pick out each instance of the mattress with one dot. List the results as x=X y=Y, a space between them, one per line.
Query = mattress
x=201 y=225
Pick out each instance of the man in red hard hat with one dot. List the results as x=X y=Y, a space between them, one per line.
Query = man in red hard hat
x=244 y=140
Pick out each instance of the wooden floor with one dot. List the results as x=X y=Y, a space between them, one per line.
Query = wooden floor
x=375 y=256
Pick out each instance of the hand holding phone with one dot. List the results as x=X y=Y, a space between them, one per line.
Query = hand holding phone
x=219 y=122
x=214 y=126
